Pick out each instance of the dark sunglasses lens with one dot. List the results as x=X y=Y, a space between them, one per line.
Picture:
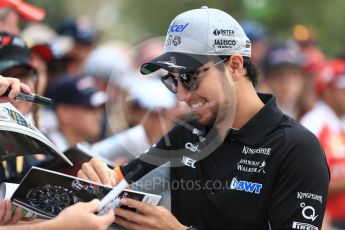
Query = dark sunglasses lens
x=188 y=81
x=170 y=82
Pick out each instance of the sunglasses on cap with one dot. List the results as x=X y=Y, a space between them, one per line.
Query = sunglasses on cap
x=189 y=81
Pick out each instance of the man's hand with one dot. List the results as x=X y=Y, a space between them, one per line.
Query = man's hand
x=15 y=86
x=97 y=171
x=146 y=217
x=82 y=216
x=6 y=215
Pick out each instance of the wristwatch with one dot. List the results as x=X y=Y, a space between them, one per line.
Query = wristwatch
x=192 y=228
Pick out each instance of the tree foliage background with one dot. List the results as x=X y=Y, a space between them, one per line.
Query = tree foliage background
x=136 y=20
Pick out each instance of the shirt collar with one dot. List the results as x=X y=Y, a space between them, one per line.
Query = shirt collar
x=259 y=126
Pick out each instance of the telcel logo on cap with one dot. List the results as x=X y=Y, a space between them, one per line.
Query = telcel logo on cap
x=177 y=28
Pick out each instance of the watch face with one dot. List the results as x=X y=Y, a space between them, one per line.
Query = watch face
x=51 y=199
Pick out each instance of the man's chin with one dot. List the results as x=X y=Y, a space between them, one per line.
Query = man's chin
x=206 y=121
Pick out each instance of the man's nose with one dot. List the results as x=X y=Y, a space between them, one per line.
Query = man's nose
x=183 y=94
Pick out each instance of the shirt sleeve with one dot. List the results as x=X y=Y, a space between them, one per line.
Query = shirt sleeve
x=300 y=192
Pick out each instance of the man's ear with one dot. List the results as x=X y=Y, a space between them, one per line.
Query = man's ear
x=235 y=65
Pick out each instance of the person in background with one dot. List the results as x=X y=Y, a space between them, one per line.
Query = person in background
x=84 y=36
x=46 y=48
x=324 y=120
x=307 y=40
x=79 y=107
x=39 y=38
x=84 y=212
x=313 y=61
x=111 y=68
x=12 y=11
x=151 y=113
x=283 y=74
x=15 y=61
x=259 y=35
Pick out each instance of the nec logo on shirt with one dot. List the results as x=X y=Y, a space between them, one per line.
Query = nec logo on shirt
x=245 y=186
x=188 y=162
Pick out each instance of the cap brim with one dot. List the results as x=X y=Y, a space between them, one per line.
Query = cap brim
x=4 y=65
x=30 y=12
x=174 y=62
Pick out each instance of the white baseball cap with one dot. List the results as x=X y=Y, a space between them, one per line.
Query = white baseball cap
x=196 y=34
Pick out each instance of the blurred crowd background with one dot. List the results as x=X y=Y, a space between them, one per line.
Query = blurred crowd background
x=85 y=55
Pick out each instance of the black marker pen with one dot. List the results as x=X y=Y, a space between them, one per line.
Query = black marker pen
x=31 y=97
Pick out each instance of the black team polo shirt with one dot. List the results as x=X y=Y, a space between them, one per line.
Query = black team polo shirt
x=270 y=174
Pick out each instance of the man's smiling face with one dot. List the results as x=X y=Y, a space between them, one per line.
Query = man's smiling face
x=209 y=101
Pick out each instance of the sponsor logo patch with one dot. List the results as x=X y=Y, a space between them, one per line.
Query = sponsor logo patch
x=245 y=186
x=224 y=43
x=308 y=212
x=176 y=40
x=220 y=32
x=303 y=226
x=264 y=151
x=188 y=162
x=305 y=195
x=171 y=65
x=190 y=146
x=245 y=165
x=177 y=27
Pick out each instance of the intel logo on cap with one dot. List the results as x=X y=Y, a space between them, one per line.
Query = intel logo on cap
x=177 y=28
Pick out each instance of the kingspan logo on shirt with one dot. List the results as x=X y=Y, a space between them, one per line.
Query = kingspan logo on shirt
x=265 y=151
x=245 y=186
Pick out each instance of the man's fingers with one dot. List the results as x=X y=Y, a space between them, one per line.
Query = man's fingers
x=102 y=170
x=130 y=215
x=140 y=206
x=25 y=88
x=3 y=86
x=90 y=173
x=17 y=215
x=113 y=180
x=8 y=212
x=91 y=206
x=108 y=218
x=125 y=223
x=2 y=211
x=82 y=175
x=14 y=85
x=15 y=88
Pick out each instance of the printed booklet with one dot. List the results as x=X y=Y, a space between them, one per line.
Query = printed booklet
x=19 y=138
x=44 y=193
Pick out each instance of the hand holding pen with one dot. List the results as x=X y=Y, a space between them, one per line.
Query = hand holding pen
x=14 y=89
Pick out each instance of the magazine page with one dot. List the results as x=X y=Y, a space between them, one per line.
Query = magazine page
x=18 y=137
x=7 y=190
x=47 y=193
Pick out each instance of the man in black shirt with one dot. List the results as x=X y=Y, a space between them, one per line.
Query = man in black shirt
x=242 y=163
